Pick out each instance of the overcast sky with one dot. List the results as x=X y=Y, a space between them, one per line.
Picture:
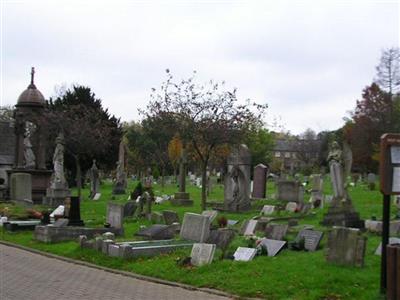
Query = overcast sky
x=308 y=60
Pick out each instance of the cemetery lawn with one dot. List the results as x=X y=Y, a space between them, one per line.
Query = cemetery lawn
x=289 y=275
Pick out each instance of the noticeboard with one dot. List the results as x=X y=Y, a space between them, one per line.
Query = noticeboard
x=389 y=167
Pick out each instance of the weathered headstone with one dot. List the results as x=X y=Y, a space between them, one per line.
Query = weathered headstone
x=312 y=238
x=115 y=215
x=237 y=180
x=202 y=254
x=156 y=217
x=96 y=196
x=121 y=178
x=272 y=246
x=268 y=210
x=94 y=180
x=195 y=227
x=249 y=227
x=244 y=254
x=182 y=198
x=130 y=208
x=21 y=187
x=346 y=246
x=276 y=231
x=221 y=237
x=371 y=178
x=260 y=181
x=170 y=217
x=290 y=191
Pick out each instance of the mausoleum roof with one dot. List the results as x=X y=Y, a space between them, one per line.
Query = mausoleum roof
x=31 y=96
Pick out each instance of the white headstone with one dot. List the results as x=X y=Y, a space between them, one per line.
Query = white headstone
x=244 y=254
x=291 y=206
x=251 y=227
x=392 y=241
x=97 y=196
x=212 y=214
x=59 y=211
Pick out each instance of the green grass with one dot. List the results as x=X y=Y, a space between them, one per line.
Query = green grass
x=290 y=275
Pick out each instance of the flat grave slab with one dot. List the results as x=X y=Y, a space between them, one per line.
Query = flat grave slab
x=157 y=232
x=244 y=254
x=272 y=246
x=312 y=238
x=202 y=254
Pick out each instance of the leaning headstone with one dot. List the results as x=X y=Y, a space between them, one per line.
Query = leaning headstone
x=272 y=246
x=392 y=241
x=291 y=206
x=260 y=181
x=276 y=231
x=346 y=246
x=115 y=215
x=249 y=227
x=96 y=196
x=244 y=254
x=290 y=191
x=21 y=188
x=237 y=180
x=221 y=237
x=195 y=227
x=211 y=214
x=170 y=217
x=312 y=238
x=232 y=222
x=202 y=254
x=268 y=210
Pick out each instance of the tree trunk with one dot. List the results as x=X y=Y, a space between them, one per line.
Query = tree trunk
x=204 y=185
x=78 y=175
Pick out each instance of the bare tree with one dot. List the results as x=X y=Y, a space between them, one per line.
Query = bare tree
x=207 y=116
x=388 y=70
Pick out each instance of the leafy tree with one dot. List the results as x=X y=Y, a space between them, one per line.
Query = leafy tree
x=388 y=71
x=6 y=113
x=174 y=152
x=89 y=130
x=260 y=142
x=206 y=116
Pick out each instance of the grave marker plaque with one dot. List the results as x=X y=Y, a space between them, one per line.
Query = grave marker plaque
x=202 y=254
x=245 y=254
x=312 y=238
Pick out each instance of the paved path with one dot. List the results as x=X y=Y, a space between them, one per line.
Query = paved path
x=25 y=275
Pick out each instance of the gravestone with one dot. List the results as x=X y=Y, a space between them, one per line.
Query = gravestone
x=202 y=254
x=130 y=208
x=268 y=210
x=94 y=180
x=260 y=181
x=346 y=246
x=121 y=178
x=317 y=183
x=115 y=215
x=290 y=191
x=249 y=227
x=272 y=246
x=211 y=214
x=341 y=211
x=244 y=254
x=21 y=187
x=237 y=180
x=312 y=238
x=74 y=211
x=232 y=222
x=170 y=217
x=108 y=236
x=276 y=231
x=291 y=206
x=157 y=232
x=96 y=196
x=195 y=227
x=371 y=179
x=221 y=237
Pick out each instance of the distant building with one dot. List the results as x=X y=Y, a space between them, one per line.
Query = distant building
x=292 y=154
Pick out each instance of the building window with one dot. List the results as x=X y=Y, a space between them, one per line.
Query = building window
x=277 y=154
